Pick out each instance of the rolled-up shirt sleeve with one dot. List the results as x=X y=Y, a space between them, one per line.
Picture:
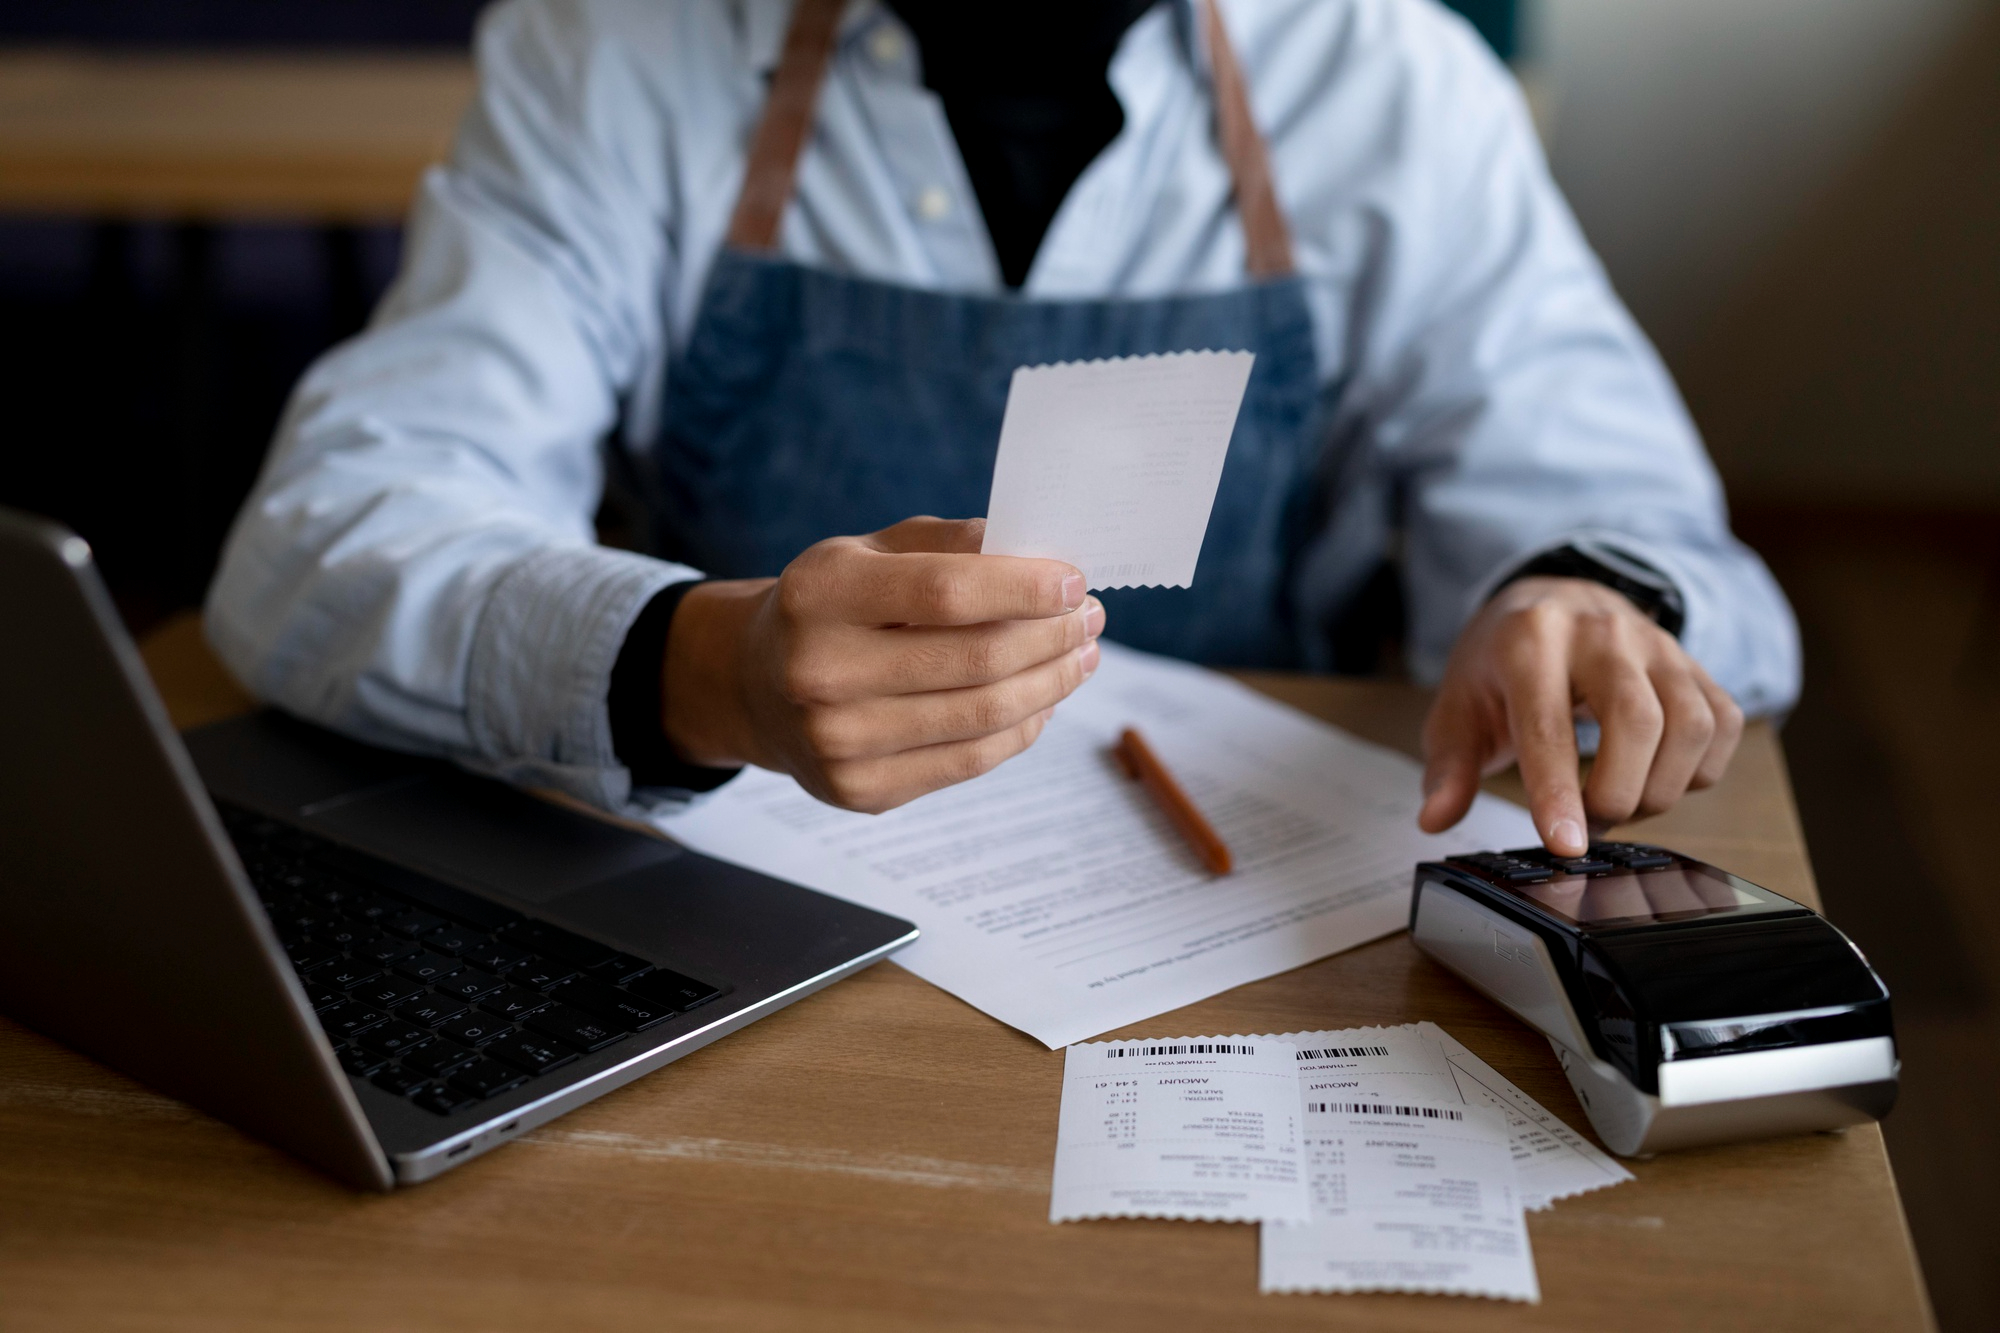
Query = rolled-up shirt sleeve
x=1505 y=401
x=416 y=565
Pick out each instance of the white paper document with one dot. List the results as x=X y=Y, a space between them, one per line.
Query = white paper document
x=1199 y=1128
x=1406 y=1196
x=1553 y=1160
x=1112 y=465
x=1055 y=895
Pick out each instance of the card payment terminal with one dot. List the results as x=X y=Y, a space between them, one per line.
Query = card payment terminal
x=1687 y=1005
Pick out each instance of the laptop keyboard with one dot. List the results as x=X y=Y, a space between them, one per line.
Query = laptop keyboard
x=445 y=999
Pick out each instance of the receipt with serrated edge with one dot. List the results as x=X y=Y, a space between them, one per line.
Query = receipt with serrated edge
x=1112 y=465
x=1406 y=1196
x=1199 y=1128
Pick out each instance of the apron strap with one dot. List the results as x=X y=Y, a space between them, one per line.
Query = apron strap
x=788 y=116
x=1268 y=242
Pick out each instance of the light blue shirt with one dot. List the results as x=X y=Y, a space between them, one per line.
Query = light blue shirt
x=417 y=566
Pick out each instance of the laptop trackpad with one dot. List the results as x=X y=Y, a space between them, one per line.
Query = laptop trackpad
x=483 y=835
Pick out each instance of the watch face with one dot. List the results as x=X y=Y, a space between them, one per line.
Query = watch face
x=1686 y=891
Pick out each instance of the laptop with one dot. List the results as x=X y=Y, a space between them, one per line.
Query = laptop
x=382 y=964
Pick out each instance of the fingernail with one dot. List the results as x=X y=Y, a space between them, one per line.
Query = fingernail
x=1073 y=592
x=1087 y=656
x=1093 y=618
x=1567 y=832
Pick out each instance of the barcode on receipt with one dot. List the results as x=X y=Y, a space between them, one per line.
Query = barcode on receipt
x=1186 y=1048
x=1383 y=1108
x=1341 y=1052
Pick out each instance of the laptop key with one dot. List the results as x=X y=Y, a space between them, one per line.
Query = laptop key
x=438 y=1059
x=487 y=1078
x=384 y=949
x=629 y=1011
x=495 y=957
x=370 y=907
x=429 y=1010
x=530 y=1053
x=514 y=1002
x=468 y=985
x=330 y=892
x=399 y=1081
x=393 y=1038
x=323 y=997
x=442 y=1099
x=541 y=973
x=339 y=934
x=456 y=940
x=573 y=1027
x=670 y=987
x=342 y=974
x=361 y=1063
x=386 y=993
x=412 y=924
x=427 y=966
x=474 y=1029
x=306 y=957
x=349 y=1019
x=619 y=968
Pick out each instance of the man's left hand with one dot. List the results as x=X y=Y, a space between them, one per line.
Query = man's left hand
x=1544 y=653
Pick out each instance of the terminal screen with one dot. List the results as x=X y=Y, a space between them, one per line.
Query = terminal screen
x=1673 y=894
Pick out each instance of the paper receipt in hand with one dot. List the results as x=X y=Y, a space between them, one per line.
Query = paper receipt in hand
x=1202 y=1128
x=1113 y=465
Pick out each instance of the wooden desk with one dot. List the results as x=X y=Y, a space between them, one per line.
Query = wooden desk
x=322 y=138
x=877 y=1158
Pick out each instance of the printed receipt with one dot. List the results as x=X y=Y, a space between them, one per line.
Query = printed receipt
x=1414 y=1157
x=1112 y=465
x=1422 y=1061
x=1412 y=1190
x=1552 y=1160
x=1406 y=1196
x=1201 y=1128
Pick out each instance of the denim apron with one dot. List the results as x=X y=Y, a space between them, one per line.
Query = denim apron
x=809 y=404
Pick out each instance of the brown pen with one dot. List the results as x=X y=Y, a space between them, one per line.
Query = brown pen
x=1140 y=763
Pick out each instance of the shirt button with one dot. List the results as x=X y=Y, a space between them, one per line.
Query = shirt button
x=933 y=202
x=886 y=45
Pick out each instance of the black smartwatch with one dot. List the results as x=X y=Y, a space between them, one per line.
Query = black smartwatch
x=1644 y=586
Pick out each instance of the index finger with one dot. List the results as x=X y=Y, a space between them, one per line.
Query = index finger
x=933 y=589
x=1540 y=716
x=952 y=536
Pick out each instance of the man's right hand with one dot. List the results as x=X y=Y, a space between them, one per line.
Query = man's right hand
x=878 y=668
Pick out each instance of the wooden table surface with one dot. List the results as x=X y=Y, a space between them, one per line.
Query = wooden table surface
x=328 y=138
x=877 y=1157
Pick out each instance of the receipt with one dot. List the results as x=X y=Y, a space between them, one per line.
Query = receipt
x=1401 y=1162
x=1202 y=1128
x=1112 y=465
x=1553 y=1160
x=1423 y=1061
x=1406 y=1196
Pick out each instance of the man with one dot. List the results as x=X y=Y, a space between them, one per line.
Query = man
x=785 y=257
